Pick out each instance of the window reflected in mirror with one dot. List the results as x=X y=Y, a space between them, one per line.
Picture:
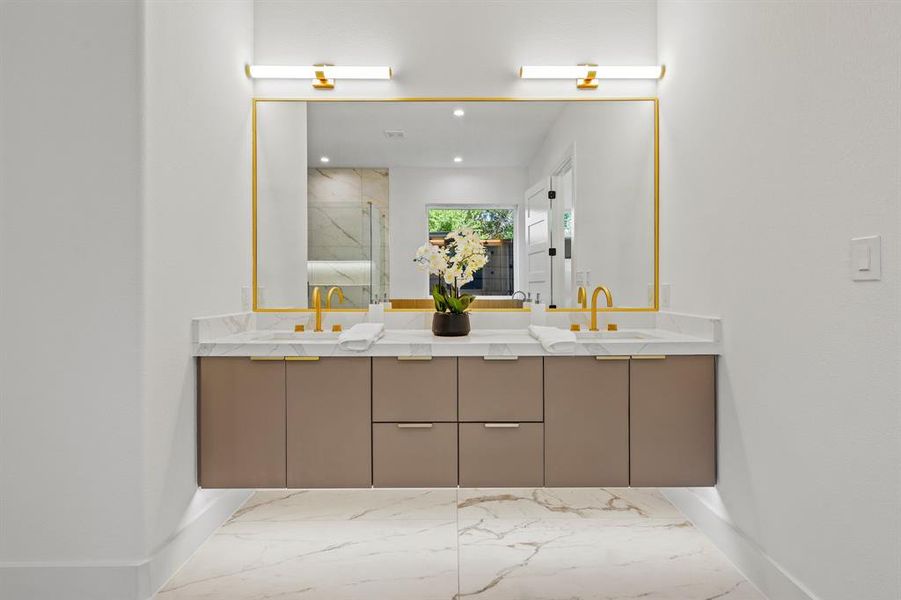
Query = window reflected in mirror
x=496 y=227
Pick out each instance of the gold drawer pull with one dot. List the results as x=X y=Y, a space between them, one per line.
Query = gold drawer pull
x=414 y=358
x=502 y=425
x=611 y=358
x=500 y=357
x=414 y=425
x=648 y=356
x=267 y=358
x=301 y=358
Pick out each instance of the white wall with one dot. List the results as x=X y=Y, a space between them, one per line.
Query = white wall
x=454 y=47
x=196 y=247
x=282 y=211
x=70 y=266
x=124 y=197
x=613 y=237
x=411 y=190
x=780 y=142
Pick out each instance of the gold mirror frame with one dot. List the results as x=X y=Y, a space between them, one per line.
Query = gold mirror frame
x=656 y=103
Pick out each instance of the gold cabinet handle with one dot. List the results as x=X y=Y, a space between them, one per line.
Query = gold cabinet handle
x=611 y=358
x=414 y=358
x=648 y=356
x=267 y=358
x=500 y=357
x=415 y=425
x=301 y=358
x=502 y=425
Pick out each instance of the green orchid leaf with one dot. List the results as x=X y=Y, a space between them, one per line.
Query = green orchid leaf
x=466 y=300
x=440 y=303
x=456 y=306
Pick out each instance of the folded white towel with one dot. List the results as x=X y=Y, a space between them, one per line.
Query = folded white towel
x=554 y=340
x=361 y=336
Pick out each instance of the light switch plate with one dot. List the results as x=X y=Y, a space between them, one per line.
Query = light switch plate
x=866 y=258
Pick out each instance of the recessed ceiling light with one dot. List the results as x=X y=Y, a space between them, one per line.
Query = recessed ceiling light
x=458 y=159
x=459 y=112
x=324 y=159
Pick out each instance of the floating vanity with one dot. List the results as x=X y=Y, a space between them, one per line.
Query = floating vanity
x=630 y=402
x=635 y=407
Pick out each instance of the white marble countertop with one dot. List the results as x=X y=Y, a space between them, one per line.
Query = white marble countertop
x=480 y=342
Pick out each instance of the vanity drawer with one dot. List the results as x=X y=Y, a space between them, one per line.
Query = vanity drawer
x=501 y=454
x=414 y=390
x=414 y=454
x=501 y=390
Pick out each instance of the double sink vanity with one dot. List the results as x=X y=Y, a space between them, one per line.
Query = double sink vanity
x=632 y=407
x=355 y=196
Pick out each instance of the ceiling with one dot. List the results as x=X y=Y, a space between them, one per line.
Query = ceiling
x=490 y=134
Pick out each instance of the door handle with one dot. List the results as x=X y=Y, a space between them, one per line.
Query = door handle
x=502 y=425
x=500 y=357
x=414 y=358
x=415 y=425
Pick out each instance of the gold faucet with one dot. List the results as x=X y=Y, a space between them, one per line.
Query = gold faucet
x=594 y=305
x=317 y=304
x=582 y=297
x=328 y=297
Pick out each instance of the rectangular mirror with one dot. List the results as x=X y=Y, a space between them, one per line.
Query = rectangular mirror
x=564 y=193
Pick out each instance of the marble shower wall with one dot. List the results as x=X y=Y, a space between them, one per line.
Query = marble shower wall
x=348 y=221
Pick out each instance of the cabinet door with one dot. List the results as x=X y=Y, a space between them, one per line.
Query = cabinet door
x=414 y=390
x=241 y=423
x=586 y=422
x=329 y=423
x=414 y=454
x=501 y=390
x=673 y=421
x=501 y=454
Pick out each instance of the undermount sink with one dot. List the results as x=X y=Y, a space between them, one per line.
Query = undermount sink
x=300 y=336
x=613 y=335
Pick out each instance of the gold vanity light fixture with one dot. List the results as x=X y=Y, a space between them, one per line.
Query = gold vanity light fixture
x=587 y=75
x=323 y=76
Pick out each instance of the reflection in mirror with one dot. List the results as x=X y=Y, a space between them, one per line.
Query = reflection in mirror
x=562 y=192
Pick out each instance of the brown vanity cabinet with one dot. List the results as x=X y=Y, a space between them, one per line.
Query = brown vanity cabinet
x=422 y=389
x=501 y=390
x=329 y=423
x=586 y=421
x=414 y=454
x=501 y=454
x=241 y=423
x=673 y=421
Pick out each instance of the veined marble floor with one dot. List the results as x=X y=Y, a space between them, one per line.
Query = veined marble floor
x=510 y=544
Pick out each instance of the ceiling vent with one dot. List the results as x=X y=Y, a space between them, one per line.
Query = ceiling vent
x=395 y=134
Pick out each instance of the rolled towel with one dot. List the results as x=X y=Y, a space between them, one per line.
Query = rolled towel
x=554 y=340
x=361 y=336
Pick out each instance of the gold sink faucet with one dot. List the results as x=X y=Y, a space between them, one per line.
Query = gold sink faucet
x=328 y=302
x=328 y=297
x=594 y=305
x=582 y=297
x=317 y=304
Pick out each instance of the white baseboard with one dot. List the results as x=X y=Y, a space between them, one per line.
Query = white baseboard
x=766 y=574
x=119 y=580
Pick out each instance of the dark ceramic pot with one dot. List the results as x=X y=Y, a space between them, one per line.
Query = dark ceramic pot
x=450 y=324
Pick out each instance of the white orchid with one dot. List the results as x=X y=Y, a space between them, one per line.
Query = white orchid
x=455 y=264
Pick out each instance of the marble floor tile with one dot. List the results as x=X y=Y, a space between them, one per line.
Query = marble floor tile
x=332 y=560
x=496 y=544
x=369 y=505
x=654 y=559
x=565 y=503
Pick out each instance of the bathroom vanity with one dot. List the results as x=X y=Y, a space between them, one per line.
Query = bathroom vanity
x=564 y=195
x=493 y=409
